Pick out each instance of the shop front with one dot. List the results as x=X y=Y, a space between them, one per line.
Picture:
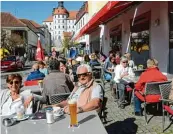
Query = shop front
x=116 y=38
x=145 y=33
x=170 y=14
x=94 y=40
x=139 y=39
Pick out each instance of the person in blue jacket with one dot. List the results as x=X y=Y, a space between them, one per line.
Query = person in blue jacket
x=94 y=61
x=35 y=74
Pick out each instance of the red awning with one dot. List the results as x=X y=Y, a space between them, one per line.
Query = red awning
x=111 y=9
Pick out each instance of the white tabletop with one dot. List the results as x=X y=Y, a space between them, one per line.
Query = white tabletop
x=89 y=124
x=131 y=79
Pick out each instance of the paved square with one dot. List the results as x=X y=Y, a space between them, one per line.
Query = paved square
x=122 y=121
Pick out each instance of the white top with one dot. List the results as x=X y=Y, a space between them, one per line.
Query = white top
x=10 y=106
x=96 y=93
x=79 y=58
x=119 y=70
x=131 y=63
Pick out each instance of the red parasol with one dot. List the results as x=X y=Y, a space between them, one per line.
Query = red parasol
x=39 y=52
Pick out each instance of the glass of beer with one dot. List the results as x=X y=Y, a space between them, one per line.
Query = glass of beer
x=73 y=112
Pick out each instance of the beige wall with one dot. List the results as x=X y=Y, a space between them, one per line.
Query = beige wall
x=159 y=35
x=94 y=7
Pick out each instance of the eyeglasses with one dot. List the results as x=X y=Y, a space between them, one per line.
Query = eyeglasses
x=83 y=74
x=14 y=82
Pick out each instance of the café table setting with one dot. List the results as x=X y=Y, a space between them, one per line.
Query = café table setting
x=52 y=120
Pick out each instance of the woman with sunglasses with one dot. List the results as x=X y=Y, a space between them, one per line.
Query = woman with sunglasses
x=121 y=71
x=11 y=98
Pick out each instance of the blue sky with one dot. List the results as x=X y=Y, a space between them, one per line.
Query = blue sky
x=36 y=10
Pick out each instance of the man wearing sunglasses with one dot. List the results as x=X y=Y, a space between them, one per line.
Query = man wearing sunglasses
x=121 y=71
x=87 y=93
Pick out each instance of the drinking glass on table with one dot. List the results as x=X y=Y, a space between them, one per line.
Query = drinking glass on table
x=73 y=112
x=20 y=112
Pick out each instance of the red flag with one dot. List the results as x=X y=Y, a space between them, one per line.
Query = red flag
x=39 y=52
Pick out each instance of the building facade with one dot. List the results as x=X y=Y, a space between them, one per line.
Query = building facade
x=60 y=21
x=86 y=12
x=29 y=31
x=140 y=28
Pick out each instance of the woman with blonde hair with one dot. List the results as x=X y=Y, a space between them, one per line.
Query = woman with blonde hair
x=151 y=74
x=130 y=61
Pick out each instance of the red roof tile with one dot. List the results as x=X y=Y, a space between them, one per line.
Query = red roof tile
x=49 y=19
x=30 y=25
x=35 y=24
x=72 y=15
x=60 y=10
x=8 y=20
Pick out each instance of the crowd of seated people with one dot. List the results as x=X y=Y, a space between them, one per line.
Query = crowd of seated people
x=74 y=76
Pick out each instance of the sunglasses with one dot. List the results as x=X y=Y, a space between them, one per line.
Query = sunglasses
x=14 y=82
x=84 y=75
x=125 y=61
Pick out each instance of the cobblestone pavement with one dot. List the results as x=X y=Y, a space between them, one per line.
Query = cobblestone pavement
x=122 y=121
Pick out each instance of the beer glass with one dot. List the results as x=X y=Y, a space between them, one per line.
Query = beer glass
x=73 y=113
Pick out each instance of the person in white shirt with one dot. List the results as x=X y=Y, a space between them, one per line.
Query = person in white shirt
x=130 y=61
x=11 y=98
x=122 y=70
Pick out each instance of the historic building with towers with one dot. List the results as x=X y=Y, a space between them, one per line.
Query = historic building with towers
x=59 y=22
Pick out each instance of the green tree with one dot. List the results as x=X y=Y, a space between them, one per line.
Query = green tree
x=66 y=43
x=10 y=42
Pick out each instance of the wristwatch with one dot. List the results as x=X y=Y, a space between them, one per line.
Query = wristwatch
x=80 y=110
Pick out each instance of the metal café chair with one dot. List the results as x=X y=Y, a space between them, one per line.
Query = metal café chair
x=57 y=98
x=165 y=92
x=102 y=113
x=98 y=75
x=152 y=88
x=33 y=85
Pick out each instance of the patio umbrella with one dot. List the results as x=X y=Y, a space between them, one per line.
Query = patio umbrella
x=39 y=52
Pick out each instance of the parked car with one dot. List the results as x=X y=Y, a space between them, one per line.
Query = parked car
x=11 y=63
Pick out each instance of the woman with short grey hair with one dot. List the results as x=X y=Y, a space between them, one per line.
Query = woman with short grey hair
x=122 y=70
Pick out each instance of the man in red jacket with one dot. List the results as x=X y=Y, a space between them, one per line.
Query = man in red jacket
x=152 y=74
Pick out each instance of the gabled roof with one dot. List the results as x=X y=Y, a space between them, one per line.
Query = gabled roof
x=49 y=19
x=30 y=25
x=35 y=24
x=72 y=15
x=8 y=20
